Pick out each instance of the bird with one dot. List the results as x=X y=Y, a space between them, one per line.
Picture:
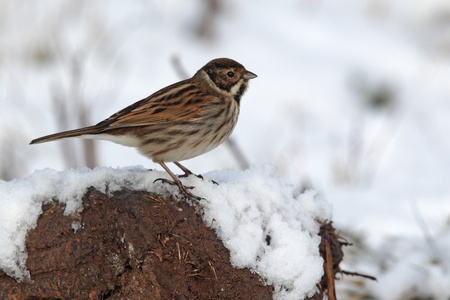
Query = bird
x=179 y=122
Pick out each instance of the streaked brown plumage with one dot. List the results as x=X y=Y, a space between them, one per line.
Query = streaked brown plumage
x=178 y=122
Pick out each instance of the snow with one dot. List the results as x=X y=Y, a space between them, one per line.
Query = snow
x=308 y=113
x=21 y=201
x=246 y=209
x=419 y=268
x=271 y=210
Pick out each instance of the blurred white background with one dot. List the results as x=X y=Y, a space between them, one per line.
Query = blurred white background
x=352 y=97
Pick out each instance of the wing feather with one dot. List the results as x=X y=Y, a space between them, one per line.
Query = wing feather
x=181 y=101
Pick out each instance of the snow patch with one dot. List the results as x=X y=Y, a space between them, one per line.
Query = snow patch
x=266 y=224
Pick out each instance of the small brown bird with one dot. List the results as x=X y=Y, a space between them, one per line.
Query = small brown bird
x=178 y=122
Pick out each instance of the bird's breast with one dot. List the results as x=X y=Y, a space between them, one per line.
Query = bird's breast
x=187 y=139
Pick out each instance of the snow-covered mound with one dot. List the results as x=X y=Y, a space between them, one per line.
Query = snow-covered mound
x=268 y=225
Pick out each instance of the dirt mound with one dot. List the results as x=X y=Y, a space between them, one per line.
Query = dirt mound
x=137 y=245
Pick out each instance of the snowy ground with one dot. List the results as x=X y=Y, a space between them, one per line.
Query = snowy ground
x=245 y=208
x=351 y=100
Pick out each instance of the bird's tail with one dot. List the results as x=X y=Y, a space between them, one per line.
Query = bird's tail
x=81 y=132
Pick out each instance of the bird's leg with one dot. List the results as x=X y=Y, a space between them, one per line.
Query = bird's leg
x=186 y=171
x=176 y=181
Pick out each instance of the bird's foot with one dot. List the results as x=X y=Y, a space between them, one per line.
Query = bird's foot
x=186 y=174
x=183 y=189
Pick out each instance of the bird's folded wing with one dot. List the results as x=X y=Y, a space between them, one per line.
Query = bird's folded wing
x=144 y=113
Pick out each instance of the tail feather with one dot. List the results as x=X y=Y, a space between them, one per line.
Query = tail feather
x=66 y=135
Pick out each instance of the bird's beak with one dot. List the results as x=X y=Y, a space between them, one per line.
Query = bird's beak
x=249 y=75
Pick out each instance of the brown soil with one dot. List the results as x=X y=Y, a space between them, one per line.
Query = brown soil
x=135 y=245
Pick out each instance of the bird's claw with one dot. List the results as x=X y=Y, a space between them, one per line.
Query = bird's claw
x=183 y=189
x=188 y=174
x=163 y=180
x=198 y=176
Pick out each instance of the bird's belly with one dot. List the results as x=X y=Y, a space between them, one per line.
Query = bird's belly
x=183 y=142
x=129 y=140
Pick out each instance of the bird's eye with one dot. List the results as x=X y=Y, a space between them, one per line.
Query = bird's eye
x=230 y=74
